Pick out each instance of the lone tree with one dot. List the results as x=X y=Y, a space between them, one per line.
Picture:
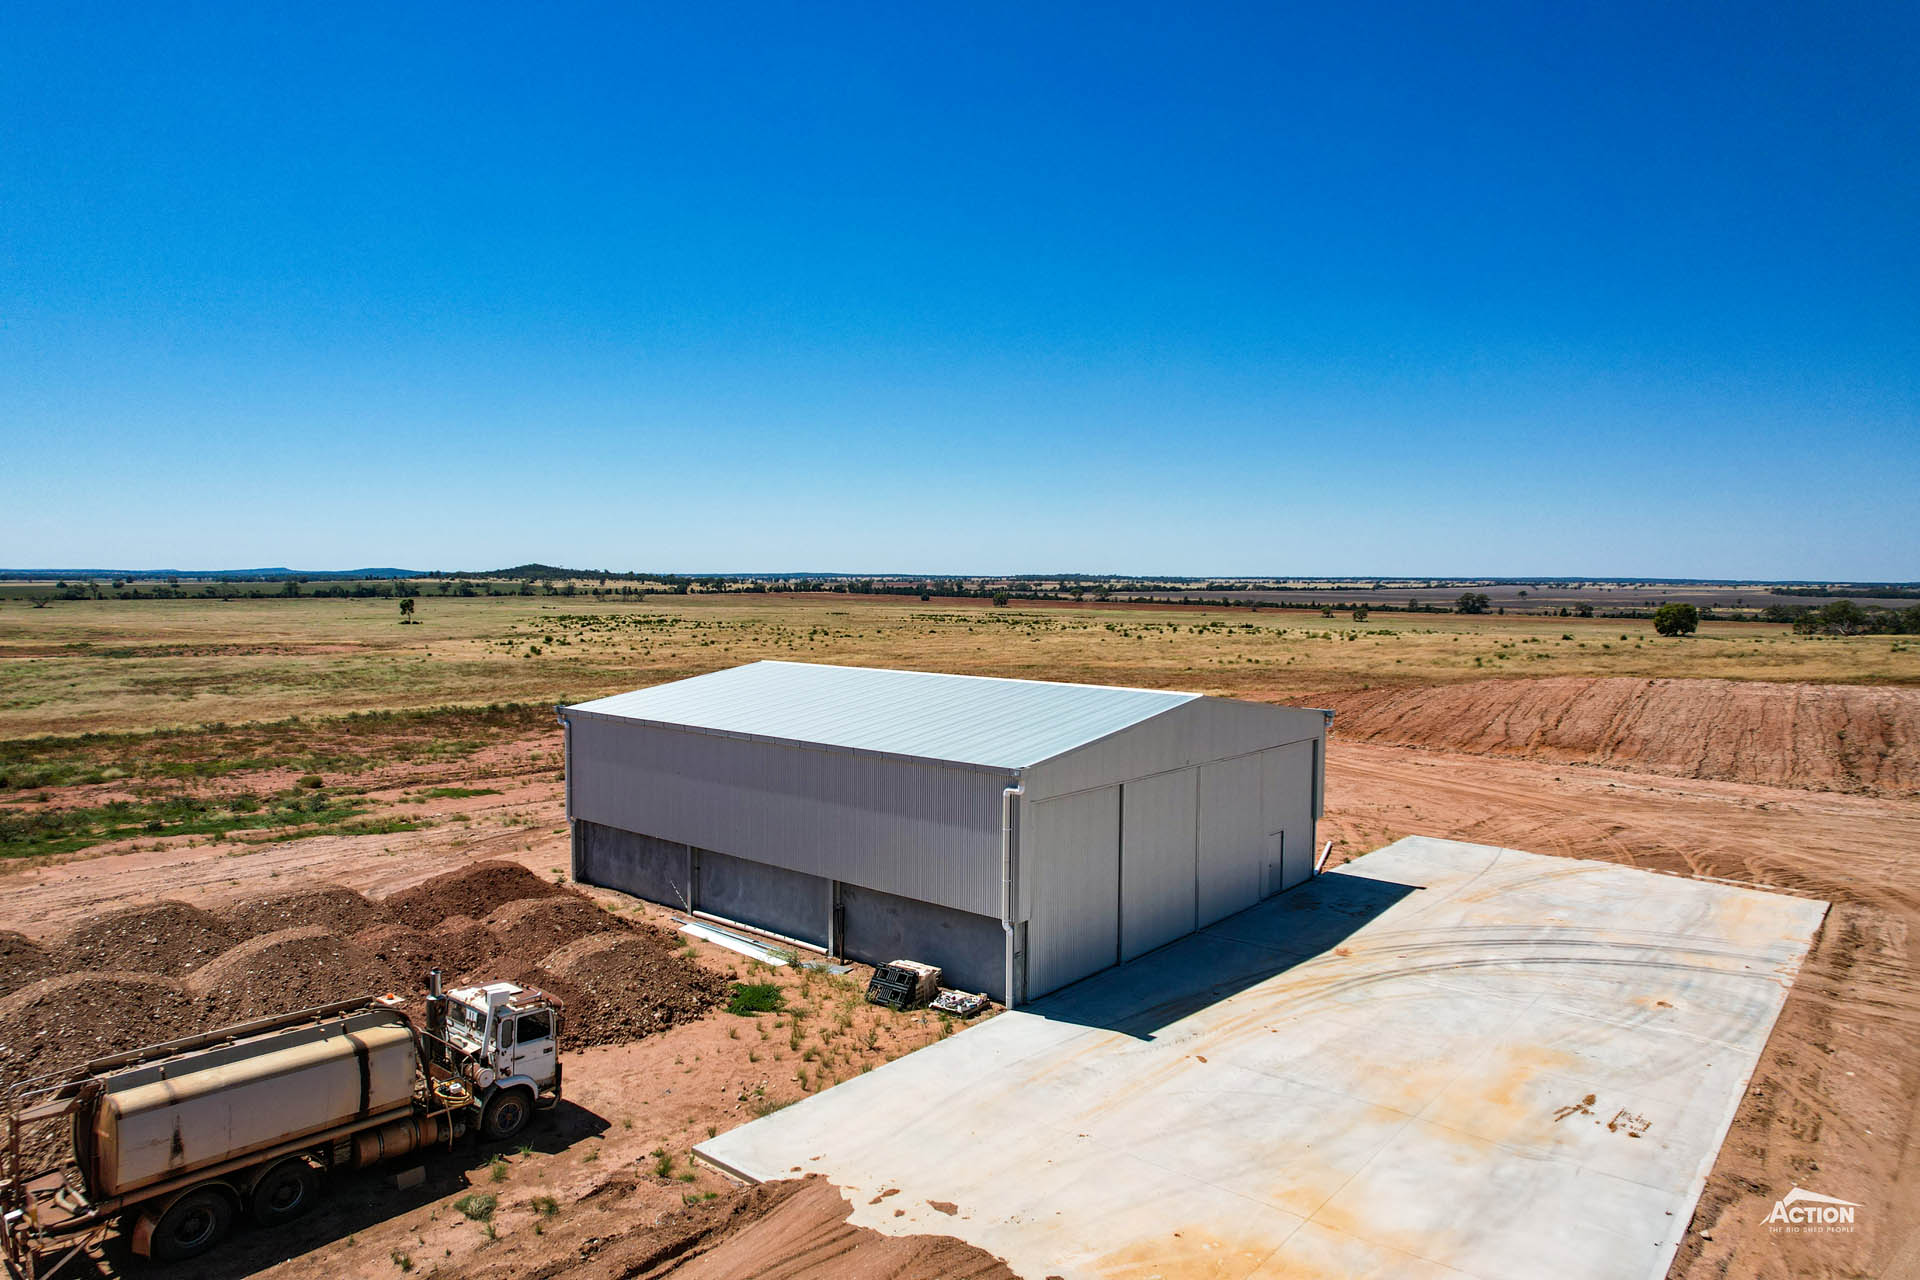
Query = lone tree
x=1675 y=619
x=406 y=609
x=1472 y=602
x=1000 y=598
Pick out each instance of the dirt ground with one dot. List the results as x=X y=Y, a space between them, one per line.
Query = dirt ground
x=1819 y=736
x=1834 y=1106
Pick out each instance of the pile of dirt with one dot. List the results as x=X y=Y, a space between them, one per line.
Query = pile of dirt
x=109 y=985
x=471 y=891
x=289 y=970
x=464 y=949
x=536 y=926
x=331 y=906
x=169 y=938
x=22 y=960
x=61 y=1022
x=792 y=1230
x=627 y=985
x=1856 y=738
x=407 y=952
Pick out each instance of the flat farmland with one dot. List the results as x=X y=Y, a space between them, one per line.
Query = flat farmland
x=210 y=751
x=129 y=666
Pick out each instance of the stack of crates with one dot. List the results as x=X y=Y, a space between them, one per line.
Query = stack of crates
x=904 y=984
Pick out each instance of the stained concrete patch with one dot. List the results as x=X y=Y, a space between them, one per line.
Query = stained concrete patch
x=1442 y=1059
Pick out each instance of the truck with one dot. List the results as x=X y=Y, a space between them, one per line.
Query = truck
x=174 y=1142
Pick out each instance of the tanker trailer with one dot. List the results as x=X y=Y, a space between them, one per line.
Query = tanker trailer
x=177 y=1140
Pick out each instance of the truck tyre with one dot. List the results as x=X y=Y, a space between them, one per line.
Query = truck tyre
x=284 y=1192
x=507 y=1114
x=193 y=1224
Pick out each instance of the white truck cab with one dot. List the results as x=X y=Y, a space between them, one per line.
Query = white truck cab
x=504 y=1041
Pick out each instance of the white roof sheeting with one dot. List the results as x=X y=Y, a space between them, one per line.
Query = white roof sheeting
x=975 y=720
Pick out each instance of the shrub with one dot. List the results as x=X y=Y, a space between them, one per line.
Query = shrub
x=477 y=1205
x=749 y=998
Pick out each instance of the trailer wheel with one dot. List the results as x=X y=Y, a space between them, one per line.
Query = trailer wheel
x=193 y=1224
x=284 y=1192
x=507 y=1114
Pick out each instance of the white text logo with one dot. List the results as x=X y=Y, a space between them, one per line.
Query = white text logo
x=1810 y=1211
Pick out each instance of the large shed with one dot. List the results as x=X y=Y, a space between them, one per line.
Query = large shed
x=1021 y=834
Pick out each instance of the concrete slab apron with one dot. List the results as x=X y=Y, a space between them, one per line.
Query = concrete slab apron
x=1443 y=1059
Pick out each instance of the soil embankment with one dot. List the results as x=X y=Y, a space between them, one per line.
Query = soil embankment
x=1824 y=737
x=796 y=1230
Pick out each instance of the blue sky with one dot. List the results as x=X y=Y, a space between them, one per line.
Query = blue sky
x=1156 y=289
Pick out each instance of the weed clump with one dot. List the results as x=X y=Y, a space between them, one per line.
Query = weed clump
x=749 y=998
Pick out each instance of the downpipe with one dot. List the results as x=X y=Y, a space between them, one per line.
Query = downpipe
x=1008 y=897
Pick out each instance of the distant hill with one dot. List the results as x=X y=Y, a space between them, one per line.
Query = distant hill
x=555 y=572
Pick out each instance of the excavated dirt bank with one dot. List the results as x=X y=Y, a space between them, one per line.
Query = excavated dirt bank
x=796 y=1230
x=1854 y=738
x=144 y=974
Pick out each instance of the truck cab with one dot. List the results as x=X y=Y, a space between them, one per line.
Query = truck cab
x=502 y=1039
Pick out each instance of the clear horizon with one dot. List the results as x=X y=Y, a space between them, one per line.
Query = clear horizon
x=1535 y=291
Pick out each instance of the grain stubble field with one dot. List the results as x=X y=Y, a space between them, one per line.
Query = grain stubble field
x=1548 y=734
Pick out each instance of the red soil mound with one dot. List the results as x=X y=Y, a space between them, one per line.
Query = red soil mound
x=408 y=952
x=532 y=927
x=288 y=970
x=62 y=1022
x=22 y=960
x=170 y=938
x=463 y=947
x=627 y=985
x=331 y=906
x=1823 y=737
x=471 y=891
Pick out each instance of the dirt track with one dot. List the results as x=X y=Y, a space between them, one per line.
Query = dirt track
x=1835 y=1105
x=1829 y=737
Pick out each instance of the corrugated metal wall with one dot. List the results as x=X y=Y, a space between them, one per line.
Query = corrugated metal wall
x=1070 y=882
x=919 y=830
x=1287 y=797
x=1158 y=821
x=1214 y=810
x=1232 y=850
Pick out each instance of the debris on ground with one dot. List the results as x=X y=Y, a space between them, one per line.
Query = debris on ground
x=961 y=1004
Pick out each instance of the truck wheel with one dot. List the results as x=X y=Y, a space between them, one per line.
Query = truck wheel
x=284 y=1192
x=507 y=1113
x=193 y=1224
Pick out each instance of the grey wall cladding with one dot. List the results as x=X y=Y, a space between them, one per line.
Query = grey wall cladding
x=970 y=949
x=753 y=893
x=915 y=828
x=644 y=866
